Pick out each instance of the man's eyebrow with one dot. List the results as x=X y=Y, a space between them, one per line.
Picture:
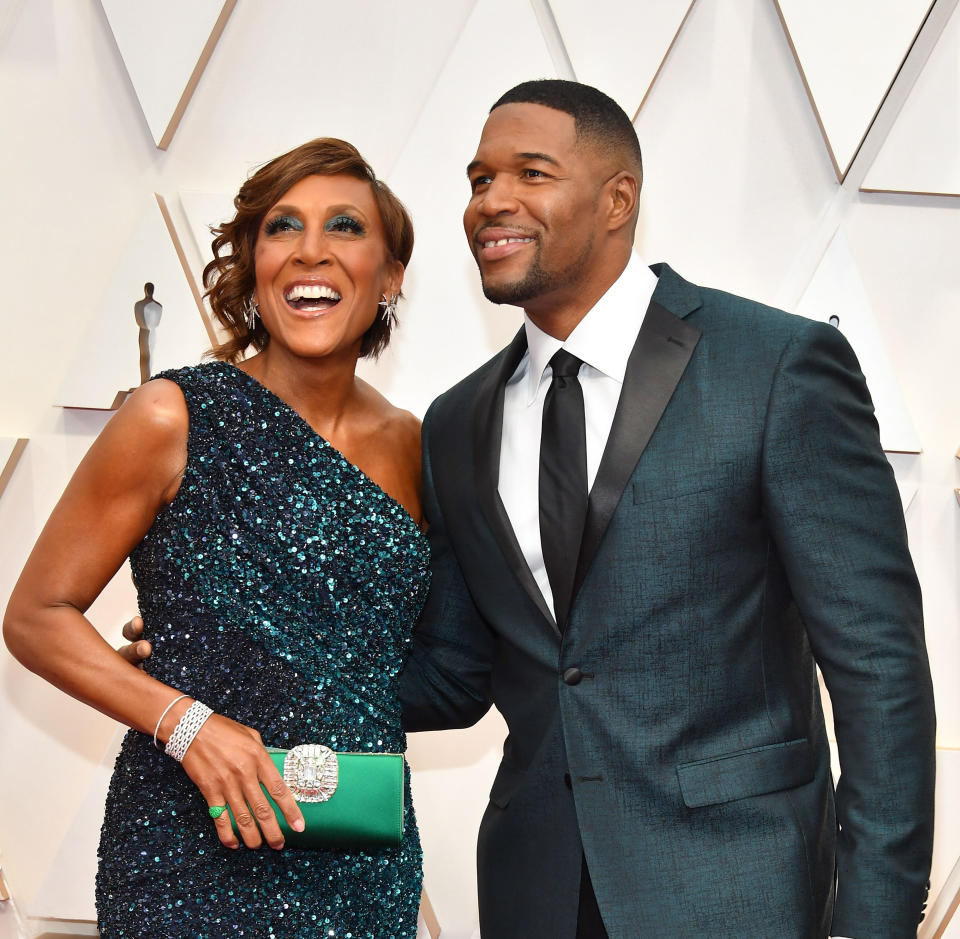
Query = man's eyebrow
x=542 y=157
x=523 y=157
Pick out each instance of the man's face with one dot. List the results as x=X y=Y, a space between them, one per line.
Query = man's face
x=533 y=220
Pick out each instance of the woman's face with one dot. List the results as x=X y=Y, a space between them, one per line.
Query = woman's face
x=322 y=265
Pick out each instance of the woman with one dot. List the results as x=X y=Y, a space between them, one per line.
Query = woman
x=270 y=511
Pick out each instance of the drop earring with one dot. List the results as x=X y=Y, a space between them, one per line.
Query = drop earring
x=250 y=313
x=389 y=307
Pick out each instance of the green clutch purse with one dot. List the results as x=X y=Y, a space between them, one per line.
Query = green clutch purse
x=348 y=800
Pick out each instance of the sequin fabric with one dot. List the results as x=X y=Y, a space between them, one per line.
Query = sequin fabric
x=280 y=587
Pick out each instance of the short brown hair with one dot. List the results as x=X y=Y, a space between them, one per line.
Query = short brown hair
x=229 y=278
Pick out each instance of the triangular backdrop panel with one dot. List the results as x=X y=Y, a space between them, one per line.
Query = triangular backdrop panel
x=291 y=70
x=445 y=308
x=922 y=151
x=836 y=289
x=601 y=36
x=908 y=492
x=165 y=48
x=849 y=54
x=11 y=449
x=108 y=360
x=203 y=210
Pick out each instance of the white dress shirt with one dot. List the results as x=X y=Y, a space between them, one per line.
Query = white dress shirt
x=603 y=340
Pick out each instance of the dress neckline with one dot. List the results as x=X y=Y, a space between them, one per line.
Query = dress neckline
x=310 y=431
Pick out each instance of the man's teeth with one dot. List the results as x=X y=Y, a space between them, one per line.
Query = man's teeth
x=506 y=241
x=311 y=292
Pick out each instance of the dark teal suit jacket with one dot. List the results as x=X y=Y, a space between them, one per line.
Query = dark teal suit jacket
x=744 y=527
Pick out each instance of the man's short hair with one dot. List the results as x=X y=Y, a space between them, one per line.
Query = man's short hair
x=596 y=116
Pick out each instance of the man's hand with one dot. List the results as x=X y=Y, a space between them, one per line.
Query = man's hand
x=138 y=649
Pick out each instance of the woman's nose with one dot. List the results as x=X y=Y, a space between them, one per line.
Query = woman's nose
x=313 y=246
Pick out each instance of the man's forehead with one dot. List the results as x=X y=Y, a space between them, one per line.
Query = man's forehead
x=518 y=131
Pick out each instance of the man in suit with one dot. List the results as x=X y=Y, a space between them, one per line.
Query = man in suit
x=644 y=587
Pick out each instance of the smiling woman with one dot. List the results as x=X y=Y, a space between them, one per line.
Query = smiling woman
x=230 y=276
x=270 y=510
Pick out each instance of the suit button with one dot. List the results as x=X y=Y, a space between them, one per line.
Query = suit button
x=573 y=676
x=567 y=781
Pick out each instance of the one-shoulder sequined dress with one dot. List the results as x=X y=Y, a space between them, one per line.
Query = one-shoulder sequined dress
x=280 y=587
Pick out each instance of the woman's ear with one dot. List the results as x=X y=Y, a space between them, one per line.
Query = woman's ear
x=395 y=280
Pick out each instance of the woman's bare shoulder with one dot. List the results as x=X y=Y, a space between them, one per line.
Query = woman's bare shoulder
x=145 y=442
x=159 y=405
x=401 y=426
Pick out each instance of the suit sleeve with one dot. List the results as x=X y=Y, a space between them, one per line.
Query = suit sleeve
x=446 y=680
x=836 y=517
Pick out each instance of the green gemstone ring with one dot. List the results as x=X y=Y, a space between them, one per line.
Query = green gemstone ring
x=216 y=810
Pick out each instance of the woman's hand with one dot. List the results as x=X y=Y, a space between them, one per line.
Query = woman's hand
x=139 y=649
x=228 y=764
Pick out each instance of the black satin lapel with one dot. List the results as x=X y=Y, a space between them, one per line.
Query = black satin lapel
x=488 y=430
x=660 y=355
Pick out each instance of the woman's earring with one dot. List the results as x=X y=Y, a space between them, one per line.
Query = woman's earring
x=389 y=306
x=250 y=313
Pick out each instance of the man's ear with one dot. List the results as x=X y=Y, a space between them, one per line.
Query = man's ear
x=624 y=193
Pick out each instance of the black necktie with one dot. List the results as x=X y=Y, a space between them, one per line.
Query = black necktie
x=563 y=479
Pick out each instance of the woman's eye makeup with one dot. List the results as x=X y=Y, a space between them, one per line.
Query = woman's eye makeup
x=281 y=223
x=345 y=223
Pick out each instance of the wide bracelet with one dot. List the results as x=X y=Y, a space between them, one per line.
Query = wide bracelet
x=166 y=711
x=194 y=717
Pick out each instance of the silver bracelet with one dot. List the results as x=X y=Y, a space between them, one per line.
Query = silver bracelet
x=166 y=710
x=194 y=717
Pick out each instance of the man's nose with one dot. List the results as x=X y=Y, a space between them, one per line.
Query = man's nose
x=498 y=197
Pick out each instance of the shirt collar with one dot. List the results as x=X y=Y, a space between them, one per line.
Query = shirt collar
x=604 y=338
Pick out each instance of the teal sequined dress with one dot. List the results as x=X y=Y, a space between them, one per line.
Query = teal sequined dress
x=280 y=587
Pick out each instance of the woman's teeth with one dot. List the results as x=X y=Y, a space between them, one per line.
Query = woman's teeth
x=311 y=296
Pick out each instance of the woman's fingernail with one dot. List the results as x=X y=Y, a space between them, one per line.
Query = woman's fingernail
x=298 y=825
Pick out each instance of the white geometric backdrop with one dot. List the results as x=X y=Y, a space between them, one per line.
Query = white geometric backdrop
x=802 y=152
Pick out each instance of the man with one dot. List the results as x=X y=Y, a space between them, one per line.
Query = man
x=652 y=646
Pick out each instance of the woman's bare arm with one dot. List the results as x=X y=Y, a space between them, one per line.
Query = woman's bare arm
x=130 y=473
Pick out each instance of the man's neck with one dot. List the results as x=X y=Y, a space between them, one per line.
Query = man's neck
x=558 y=313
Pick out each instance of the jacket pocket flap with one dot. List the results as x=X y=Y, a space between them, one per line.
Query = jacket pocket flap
x=745 y=773
x=506 y=783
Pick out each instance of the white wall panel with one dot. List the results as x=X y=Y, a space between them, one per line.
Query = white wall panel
x=735 y=175
x=619 y=47
x=108 y=358
x=946 y=851
x=202 y=211
x=903 y=247
x=836 y=289
x=849 y=54
x=11 y=449
x=290 y=70
x=67 y=891
x=922 y=151
x=165 y=47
